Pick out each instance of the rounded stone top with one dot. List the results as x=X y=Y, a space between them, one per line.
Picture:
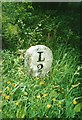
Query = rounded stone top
x=38 y=60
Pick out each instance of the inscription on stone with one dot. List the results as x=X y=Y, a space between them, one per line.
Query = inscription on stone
x=40 y=57
x=38 y=60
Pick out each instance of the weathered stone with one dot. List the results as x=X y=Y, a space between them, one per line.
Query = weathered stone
x=38 y=60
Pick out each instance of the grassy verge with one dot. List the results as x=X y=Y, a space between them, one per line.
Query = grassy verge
x=55 y=95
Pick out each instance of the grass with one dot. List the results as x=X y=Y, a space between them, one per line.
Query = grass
x=58 y=95
x=52 y=96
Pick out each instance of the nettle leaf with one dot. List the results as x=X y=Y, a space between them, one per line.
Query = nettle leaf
x=78 y=107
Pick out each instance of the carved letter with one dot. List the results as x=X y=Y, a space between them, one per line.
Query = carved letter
x=40 y=57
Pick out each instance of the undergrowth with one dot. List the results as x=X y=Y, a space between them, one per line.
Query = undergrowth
x=58 y=95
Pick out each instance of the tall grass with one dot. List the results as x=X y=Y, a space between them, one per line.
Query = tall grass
x=52 y=96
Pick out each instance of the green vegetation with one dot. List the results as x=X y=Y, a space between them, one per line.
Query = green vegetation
x=58 y=95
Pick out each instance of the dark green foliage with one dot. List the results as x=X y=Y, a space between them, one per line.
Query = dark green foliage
x=24 y=26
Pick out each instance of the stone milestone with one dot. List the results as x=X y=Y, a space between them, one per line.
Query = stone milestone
x=38 y=60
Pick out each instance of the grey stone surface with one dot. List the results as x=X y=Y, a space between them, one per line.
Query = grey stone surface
x=38 y=60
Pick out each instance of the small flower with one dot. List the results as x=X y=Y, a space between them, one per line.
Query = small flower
x=44 y=95
x=8 y=82
x=3 y=94
x=62 y=88
x=7 y=97
x=38 y=96
x=13 y=85
x=74 y=102
x=53 y=99
x=48 y=106
x=17 y=103
x=42 y=83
